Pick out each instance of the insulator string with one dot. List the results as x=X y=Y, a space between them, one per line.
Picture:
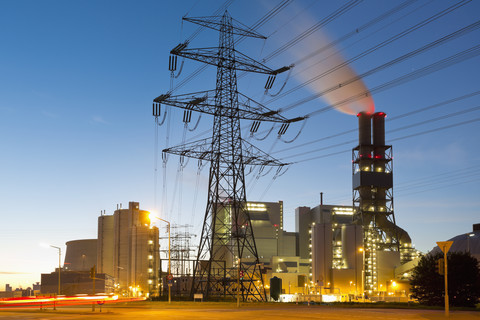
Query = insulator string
x=298 y=134
x=282 y=87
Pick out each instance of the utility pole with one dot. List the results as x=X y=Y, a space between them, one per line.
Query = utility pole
x=445 y=246
x=93 y=273
x=169 y=276
x=59 y=270
x=227 y=230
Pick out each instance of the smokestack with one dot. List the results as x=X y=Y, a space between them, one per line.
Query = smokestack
x=364 y=129
x=364 y=140
x=379 y=129
x=379 y=141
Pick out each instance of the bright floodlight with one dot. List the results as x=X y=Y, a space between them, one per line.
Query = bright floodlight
x=152 y=216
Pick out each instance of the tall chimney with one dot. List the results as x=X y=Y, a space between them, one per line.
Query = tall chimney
x=379 y=129
x=379 y=147
x=364 y=129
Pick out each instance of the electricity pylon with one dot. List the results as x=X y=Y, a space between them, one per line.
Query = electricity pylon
x=227 y=259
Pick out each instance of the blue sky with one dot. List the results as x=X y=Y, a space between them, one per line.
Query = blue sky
x=77 y=80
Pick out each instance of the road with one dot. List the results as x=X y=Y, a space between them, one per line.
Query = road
x=209 y=311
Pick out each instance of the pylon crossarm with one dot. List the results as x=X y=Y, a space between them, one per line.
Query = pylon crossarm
x=204 y=101
x=201 y=149
x=217 y=23
x=257 y=111
x=210 y=56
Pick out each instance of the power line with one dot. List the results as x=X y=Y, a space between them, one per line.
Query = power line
x=334 y=15
x=394 y=82
x=431 y=68
x=260 y=22
x=402 y=58
x=389 y=119
x=356 y=31
x=395 y=139
x=447 y=177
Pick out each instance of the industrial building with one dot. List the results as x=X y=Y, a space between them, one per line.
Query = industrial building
x=338 y=250
x=128 y=249
x=125 y=257
x=80 y=258
x=81 y=255
x=385 y=245
x=335 y=250
x=270 y=237
x=330 y=241
x=466 y=242
x=350 y=250
x=277 y=249
x=76 y=282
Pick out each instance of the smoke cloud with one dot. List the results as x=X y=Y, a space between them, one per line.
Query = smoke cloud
x=322 y=63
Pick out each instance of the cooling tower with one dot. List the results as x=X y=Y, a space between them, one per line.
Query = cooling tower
x=81 y=255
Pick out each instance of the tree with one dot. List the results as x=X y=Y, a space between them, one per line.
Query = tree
x=463 y=280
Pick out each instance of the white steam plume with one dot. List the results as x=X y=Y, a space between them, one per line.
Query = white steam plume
x=331 y=58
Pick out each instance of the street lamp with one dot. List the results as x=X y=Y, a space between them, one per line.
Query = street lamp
x=362 y=250
x=151 y=216
x=468 y=241
x=59 y=266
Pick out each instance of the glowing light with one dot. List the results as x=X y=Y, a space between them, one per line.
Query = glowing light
x=330 y=298
x=256 y=207
x=60 y=300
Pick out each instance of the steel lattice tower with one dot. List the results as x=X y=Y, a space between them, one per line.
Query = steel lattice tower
x=227 y=254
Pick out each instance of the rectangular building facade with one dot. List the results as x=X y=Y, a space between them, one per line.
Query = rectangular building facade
x=333 y=244
x=128 y=249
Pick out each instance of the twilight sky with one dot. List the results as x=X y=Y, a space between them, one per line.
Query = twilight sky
x=77 y=79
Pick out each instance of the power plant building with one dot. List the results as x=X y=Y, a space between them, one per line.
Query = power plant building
x=128 y=249
x=81 y=255
x=355 y=249
x=80 y=258
x=335 y=249
x=270 y=238
x=330 y=241
x=338 y=249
